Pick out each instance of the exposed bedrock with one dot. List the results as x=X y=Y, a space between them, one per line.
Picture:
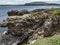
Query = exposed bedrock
x=17 y=13
x=40 y=22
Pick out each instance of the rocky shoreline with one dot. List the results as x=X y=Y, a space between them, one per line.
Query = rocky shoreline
x=42 y=22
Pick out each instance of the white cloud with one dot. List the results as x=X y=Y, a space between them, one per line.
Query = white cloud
x=23 y=1
x=43 y=0
x=13 y=1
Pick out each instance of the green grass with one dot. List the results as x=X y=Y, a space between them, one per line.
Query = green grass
x=55 y=40
x=36 y=13
x=55 y=11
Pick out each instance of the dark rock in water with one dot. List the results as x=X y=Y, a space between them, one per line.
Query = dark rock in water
x=3 y=25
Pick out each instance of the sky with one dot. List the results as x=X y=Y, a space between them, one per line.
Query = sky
x=26 y=1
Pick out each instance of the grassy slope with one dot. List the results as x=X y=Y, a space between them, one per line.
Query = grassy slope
x=55 y=40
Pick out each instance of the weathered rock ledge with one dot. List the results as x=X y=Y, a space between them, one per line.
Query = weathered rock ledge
x=42 y=23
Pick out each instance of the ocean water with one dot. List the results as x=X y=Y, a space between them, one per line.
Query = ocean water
x=5 y=9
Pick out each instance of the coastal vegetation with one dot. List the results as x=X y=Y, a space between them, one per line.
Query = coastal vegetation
x=54 y=40
x=55 y=11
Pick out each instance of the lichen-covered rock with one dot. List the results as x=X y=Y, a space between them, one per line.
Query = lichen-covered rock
x=51 y=26
x=47 y=27
x=56 y=20
x=17 y=13
x=12 y=12
x=22 y=12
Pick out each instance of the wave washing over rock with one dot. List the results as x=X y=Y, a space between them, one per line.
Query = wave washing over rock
x=26 y=26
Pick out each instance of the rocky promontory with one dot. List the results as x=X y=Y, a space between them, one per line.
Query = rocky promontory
x=31 y=25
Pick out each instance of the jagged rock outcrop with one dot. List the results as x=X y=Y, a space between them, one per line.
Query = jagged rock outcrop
x=15 y=40
x=51 y=26
x=42 y=22
x=17 y=13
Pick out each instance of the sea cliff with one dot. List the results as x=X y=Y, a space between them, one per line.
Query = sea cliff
x=31 y=25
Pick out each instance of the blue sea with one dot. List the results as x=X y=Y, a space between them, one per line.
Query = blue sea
x=5 y=9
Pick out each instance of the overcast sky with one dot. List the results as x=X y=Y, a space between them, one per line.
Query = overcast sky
x=26 y=1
